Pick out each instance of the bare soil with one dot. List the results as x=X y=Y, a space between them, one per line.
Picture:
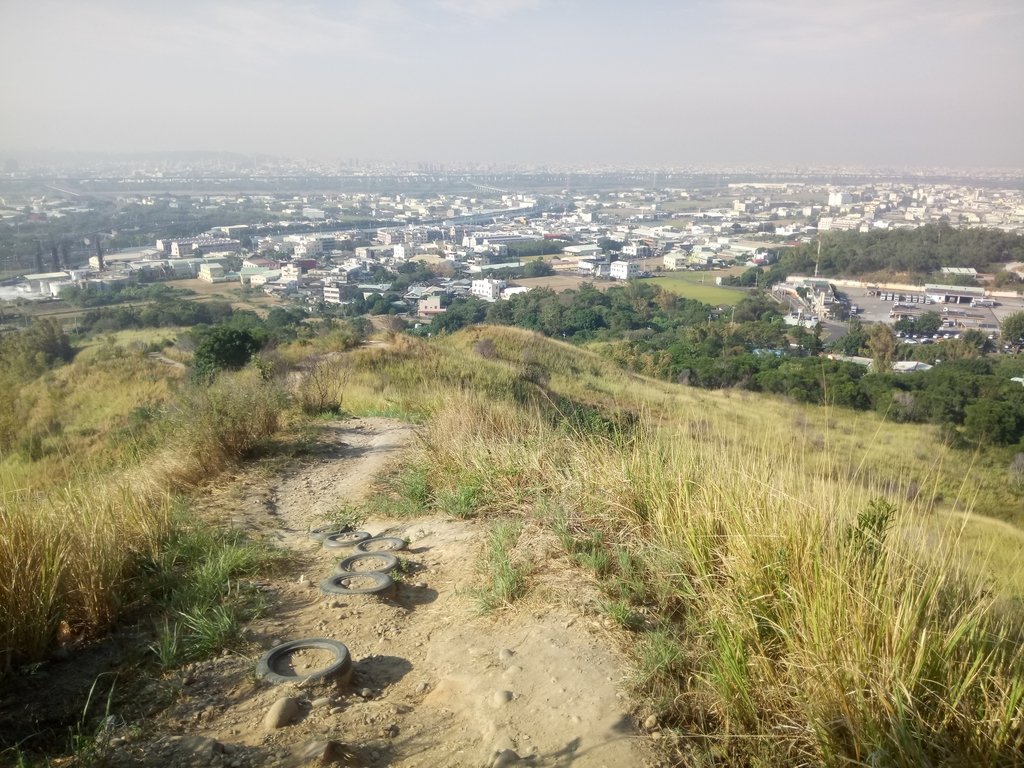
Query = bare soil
x=302 y=662
x=434 y=683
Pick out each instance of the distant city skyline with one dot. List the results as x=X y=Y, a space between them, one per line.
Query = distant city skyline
x=898 y=83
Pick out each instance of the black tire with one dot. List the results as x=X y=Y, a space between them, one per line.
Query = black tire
x=319 y=534
x=341 y=667
x=381 y=584
x=388 y=563
x=381 y=544
x=344 y=539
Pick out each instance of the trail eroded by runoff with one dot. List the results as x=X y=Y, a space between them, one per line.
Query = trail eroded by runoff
x=432 y=682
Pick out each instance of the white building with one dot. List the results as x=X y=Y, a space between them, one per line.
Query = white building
x=212 y=273
x=636 y=250
x=308 y=248
x=262 y=279
x=676 y=260
x=487 y=289
x=332 y=292
x=623 y=270
x=594 y=267
x=583 y=251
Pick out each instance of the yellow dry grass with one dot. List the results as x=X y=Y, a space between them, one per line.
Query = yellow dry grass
x=788 y=618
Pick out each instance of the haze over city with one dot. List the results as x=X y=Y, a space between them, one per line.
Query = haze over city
x=901 y=83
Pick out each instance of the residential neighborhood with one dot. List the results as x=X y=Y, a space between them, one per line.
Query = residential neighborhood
x=475 y=239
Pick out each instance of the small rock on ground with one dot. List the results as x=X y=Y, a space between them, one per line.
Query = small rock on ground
x=323 y=753
x=283 y=712
x=198 y=747
x=504 y=758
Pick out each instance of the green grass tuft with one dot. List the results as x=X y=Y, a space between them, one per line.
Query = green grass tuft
x=506 y=577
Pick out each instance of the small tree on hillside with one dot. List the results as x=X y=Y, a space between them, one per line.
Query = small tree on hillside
x=991 y=422
x=1012 y=328
x=224 y=348
x=882 y=344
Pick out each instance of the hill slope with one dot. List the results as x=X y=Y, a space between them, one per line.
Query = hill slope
x=770 y=558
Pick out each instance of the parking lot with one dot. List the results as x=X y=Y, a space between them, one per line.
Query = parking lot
x=886 y=306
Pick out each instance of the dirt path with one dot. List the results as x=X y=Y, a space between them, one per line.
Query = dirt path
x=434 y=684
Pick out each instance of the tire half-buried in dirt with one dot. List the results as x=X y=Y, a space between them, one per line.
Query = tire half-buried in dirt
x=365 y=583
x=381 y=544
x=382 y=562
x=344 y=538
x=312 y=659
x=321 y=533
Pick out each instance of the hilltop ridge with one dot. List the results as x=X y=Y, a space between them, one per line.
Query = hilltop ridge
x=737 y=549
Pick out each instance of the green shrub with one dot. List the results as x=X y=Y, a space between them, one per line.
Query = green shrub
x=224 y=348
x=230 y=419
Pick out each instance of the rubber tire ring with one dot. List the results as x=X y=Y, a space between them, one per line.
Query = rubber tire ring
x=390 y=562
x=319 y=534
x=393 y=544
x=341 y=667
x=332 y=585
x=344 y=539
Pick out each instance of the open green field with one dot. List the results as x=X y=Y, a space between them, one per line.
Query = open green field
x=562 y=282
x=691 y=206
x=254 y=301
x=700 y=286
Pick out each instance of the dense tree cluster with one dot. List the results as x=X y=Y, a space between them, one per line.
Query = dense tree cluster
x=160 y=314
x=919 y=252
x=27 y=353
x=91 y=295
x=581 y=315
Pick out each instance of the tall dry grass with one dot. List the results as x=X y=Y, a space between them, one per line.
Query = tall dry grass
x=66 y=557
x=71 y=549
x=787 y=619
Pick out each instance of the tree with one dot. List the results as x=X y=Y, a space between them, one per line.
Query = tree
x=905 y=325
x=998 y=423
x=1012 y=328
x=223 y=348
x=852 y=342
x=882 y=344
x=538 y=268
x=26 y=354
x=929 y=323
x=1006 y=279
x=978 y=340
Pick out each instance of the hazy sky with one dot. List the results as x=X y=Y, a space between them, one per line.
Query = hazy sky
x=868 y=82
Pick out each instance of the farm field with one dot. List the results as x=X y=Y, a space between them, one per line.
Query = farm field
x=689 y=285
x=559 y=283
x=258 y=302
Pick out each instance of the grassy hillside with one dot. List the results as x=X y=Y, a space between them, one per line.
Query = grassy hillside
x=804 y=586
x=800 y=585
x=100 y=455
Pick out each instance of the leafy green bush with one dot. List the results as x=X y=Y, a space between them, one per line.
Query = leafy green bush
x=224 y=348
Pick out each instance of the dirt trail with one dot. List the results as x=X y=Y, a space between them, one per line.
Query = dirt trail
x=433 y=683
